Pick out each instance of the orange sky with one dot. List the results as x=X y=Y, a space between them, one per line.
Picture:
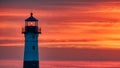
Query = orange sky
x=64 y=24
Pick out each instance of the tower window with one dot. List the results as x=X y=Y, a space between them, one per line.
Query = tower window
x=33 y=47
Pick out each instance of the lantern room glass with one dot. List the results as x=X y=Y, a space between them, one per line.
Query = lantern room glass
x=31 y=23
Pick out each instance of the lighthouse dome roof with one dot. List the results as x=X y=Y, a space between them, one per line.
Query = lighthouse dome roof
x=31 y=18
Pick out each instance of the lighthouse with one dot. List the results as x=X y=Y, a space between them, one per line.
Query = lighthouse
x=31 y=32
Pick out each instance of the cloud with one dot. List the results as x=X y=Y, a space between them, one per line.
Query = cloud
x=7 y=41
x=39 y=3
x=84 y=54
x=62 y=20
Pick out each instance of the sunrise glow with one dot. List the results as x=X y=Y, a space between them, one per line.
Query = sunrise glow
x=90 y=26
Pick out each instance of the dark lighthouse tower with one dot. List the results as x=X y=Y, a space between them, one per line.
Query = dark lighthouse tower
x=31 y=33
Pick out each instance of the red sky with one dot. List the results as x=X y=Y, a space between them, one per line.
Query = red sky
x=64 y=23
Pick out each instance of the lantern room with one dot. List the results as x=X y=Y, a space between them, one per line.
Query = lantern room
x=31 y=21
x=31 y=25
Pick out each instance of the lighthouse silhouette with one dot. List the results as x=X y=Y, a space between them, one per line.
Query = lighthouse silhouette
x=31 y=33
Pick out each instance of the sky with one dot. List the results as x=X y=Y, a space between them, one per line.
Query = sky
x=64 y=23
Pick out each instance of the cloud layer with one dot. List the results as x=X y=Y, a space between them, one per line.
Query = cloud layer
x=90 y=22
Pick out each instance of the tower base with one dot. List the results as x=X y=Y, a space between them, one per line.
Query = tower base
x=31 y=64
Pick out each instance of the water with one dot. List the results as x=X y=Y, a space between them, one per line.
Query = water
x=63 y=64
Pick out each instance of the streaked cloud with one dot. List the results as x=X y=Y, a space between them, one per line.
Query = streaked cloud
x=82 y=22
x=51 y=53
